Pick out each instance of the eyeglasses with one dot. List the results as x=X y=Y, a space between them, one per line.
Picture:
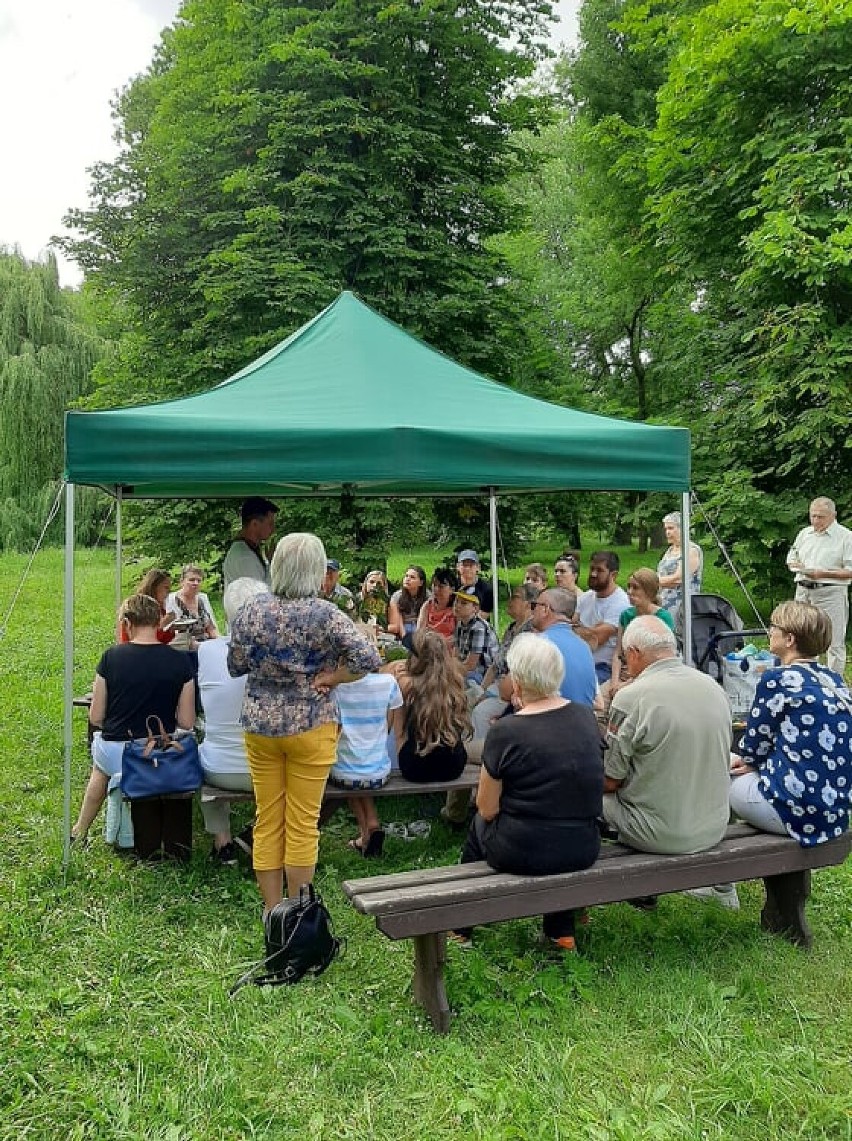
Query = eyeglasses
x=543 y=605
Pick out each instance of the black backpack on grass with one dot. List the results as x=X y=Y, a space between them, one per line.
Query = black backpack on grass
x=299 y=941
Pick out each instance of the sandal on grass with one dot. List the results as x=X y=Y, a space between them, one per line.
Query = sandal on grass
x=373 y=847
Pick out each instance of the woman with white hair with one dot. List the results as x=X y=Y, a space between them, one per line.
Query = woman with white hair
x=670 y=566
x=294 y=648
x=223 y=751
x=541 y=787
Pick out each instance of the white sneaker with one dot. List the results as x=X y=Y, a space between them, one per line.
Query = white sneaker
x=724 y=895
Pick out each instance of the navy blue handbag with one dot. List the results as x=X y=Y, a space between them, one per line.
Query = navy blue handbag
x=161 y=765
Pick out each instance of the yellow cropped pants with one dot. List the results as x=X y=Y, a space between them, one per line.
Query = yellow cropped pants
x=289 y=776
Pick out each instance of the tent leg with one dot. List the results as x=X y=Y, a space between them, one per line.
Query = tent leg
x=118 y=547
x=686 y=604
x=68 y=672
x=495 y=583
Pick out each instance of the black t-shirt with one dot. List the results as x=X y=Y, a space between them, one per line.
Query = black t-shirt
x=141 y=681
x=550 y=764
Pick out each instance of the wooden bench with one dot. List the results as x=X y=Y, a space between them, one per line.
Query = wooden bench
x=84 y=701
x=397 y=785
x=423 y=905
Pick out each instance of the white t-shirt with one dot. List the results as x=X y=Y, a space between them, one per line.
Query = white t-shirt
x=223 y=748
x=592 y=610
x=363 y=707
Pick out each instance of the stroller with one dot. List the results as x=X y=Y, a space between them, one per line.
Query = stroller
x=717 y=629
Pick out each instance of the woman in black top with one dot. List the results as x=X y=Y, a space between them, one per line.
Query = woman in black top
x=541 y=787
x=137 y=679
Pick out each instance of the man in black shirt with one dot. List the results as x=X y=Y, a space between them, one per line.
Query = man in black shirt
x=468 y=572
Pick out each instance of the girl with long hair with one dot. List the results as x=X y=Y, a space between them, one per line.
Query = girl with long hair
x=436 y=718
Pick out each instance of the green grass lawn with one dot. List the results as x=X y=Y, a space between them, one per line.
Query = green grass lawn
x=685 y=1024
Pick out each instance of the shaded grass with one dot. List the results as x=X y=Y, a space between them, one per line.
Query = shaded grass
x=688 y=1023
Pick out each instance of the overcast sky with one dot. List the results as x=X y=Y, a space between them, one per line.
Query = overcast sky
x=61 y=62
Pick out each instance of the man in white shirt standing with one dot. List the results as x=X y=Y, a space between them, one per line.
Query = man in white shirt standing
x=821 y=560
x=246 y=557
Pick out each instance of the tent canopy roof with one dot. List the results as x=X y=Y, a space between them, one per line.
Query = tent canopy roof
x=352 y=401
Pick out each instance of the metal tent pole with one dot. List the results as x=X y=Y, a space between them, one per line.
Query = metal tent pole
x=495 y=584
x=68 y=671
x=685 y=560
x=118 y=550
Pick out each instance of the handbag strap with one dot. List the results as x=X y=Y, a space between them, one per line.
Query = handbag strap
x=158 y=738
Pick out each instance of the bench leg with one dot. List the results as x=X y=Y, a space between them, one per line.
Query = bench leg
x=784 y=910
x=430 y=953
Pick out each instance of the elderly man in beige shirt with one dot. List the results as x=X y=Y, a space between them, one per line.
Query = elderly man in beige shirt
x=821 y=560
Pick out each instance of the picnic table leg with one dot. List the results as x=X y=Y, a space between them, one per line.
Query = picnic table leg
x=430 y=953
x=784 y=910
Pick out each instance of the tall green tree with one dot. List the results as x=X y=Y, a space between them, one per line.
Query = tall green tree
x=275 y=154
x=48 y=347
x=751 y=175
x=618 y=322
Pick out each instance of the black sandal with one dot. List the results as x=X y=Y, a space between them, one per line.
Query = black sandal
x=374 y=846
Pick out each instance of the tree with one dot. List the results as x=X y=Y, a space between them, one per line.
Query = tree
x=751 y=177
x=616 y=320
x=275 y=154
x=48 y=347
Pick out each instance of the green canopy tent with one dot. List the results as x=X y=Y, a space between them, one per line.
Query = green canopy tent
x=352 y=402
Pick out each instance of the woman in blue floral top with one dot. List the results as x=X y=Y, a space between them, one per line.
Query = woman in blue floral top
x=794 y=769
x=294 y=648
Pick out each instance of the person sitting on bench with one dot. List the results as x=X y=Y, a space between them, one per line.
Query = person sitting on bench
x=474 y=640
x=368 y=710
x=223 y=751
x=436 y=722
x=668 y=738
x=541 y=785
x=134 y=680
x=793 y=771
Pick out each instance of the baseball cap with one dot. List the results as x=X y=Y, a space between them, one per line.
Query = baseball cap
x=464 y=596
x=468 y=555
x=332 y=564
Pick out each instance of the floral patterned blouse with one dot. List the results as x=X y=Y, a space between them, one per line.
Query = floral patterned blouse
x=282 y=644
x=798 y=737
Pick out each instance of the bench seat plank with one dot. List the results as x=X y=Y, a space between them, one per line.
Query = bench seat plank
x=416 y=907
x=396 y=785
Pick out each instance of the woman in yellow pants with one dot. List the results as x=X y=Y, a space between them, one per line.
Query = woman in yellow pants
x=294 y=648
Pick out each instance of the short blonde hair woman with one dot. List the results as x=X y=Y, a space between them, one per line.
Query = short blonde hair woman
x=794 y=767
x=294 y=648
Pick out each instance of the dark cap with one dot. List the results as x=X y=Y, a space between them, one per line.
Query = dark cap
x=255 y=507
x=332 y=564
